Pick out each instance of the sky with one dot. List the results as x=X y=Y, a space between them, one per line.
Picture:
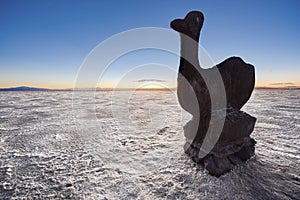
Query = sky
x=44 y=43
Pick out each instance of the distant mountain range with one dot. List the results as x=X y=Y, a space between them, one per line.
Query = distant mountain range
x=23 y=88
x=280 y=88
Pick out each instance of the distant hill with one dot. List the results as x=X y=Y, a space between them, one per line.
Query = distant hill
x=23 y=88
x=280 y=88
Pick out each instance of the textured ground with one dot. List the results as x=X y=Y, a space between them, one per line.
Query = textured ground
x=126 y=145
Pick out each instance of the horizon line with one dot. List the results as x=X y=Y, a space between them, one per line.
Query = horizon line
x=27 y=88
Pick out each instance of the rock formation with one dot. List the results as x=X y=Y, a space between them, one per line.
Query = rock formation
x=194 y=91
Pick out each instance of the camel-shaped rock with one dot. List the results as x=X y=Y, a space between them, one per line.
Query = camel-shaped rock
x=234 y=144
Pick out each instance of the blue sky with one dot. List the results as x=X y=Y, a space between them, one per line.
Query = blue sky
x=43 y=43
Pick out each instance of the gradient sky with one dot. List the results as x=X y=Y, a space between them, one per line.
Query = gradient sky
x=43 y=43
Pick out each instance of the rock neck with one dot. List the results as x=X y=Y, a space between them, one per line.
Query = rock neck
x=189 y=49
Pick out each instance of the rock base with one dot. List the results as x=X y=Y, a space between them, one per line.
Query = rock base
x=233 y=147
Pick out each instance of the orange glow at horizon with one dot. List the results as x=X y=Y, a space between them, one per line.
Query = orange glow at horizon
x=153 y=86
x=146 y=86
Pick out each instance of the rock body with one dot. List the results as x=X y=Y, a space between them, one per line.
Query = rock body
x=234 y=143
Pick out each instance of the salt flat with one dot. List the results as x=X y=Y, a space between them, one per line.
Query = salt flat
x=129 y=145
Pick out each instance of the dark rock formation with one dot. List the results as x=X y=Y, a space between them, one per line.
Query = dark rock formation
x=195 y=90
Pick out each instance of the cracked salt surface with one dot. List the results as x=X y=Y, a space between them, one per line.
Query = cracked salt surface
x=115 y=147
